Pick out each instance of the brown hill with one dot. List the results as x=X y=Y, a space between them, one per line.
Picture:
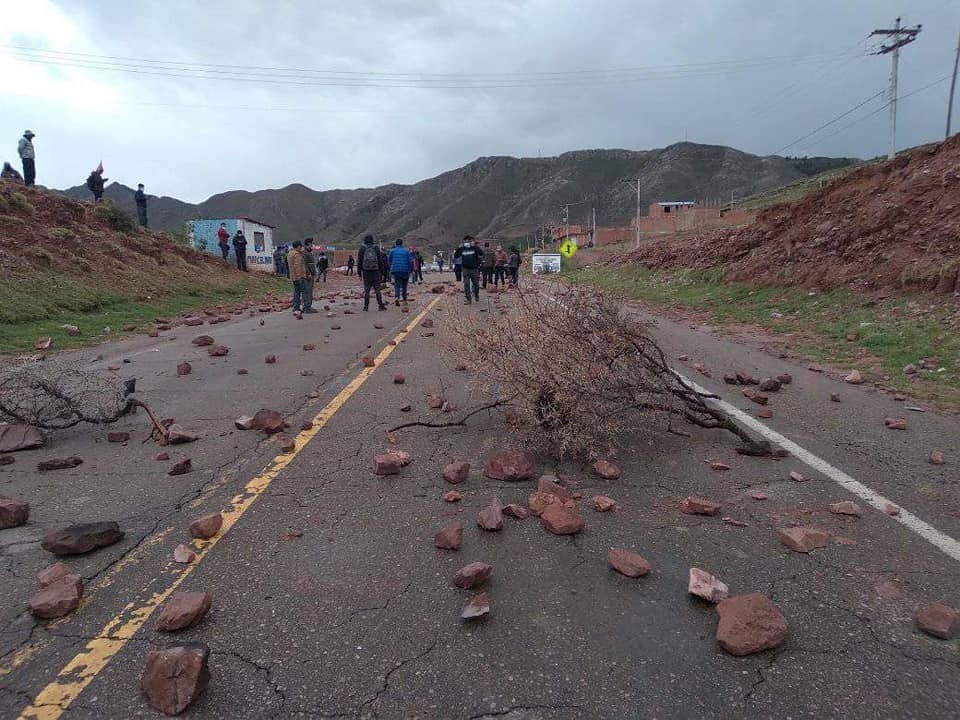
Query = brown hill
x=888 y=225
x=494 y=195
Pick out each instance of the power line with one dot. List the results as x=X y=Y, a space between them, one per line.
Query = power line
x=830 y=122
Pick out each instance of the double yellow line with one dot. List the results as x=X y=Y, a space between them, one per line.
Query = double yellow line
x=79 y=672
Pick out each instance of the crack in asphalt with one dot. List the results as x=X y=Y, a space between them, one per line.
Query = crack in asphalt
x=267 y=671
x=521 y=708
x=386 y=678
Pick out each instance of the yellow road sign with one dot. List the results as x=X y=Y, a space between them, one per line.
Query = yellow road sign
x=568 y=248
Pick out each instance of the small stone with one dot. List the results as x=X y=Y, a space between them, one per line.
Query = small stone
x=472 y=575
x=183 y=555
x=699 y=506
x=268 y=421
x=891 y=509
x=306 y=425
x=57 y=598
x=627 y=562
x=601 y=503
x=435 y=402
x=244 y=422
x=770 y=385
x=202 y=340
x=7 y=460
x=910 y=369
x=538 y=502
x=53 y=573
x=242 y=371
x=854 y=378
x=450 y=537
x=193 y=322
x=510 y=465
x=175 y=676
x=803 y=539
x=719 y=466
x=730 y=379
x=797 y=477
x=551 y=484
x=402 y=457
x=755 y=448
x=518 y=512
x=899 y=397
x=118 y=437
x=706 y=586
x=204 y=528
x=846 y=507
x=895 y=423
x=765 y=413
x=270 y=359
x=452 y=496
x=785 y=378
x=562 y=520
x=936 y=458
x=153 y=333
x=406 y=408
x=386 y=464
x=606 y=470
x=162 y=457
x=756 y=396
x=367 y=361
x=334 y=327
x=176 y=435
x=71 y=330
x=491 y=517
x=428 y=323
x=749 y=624
x=938 y=620
x=59 y=463
x=758 y=496
x=399 y=379
x=182 y=610
x=745 y=378
x=308 y=347
x=217 y=350
x=81 y=538
x=734 y=522
x=835 y=397
x=19 y=436
x=479 y=606
x=181 y=467
x=287 y=444
x=683 y=358
x=13 y=513
x=462 y=367
x=44 y=343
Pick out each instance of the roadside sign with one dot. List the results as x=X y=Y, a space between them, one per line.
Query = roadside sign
x=544 y=263
x=568 y=248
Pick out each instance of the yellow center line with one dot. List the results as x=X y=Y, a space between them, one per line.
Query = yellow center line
x=79 y=672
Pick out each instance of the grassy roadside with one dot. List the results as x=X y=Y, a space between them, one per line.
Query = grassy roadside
x=889 y=334
x=40 y=306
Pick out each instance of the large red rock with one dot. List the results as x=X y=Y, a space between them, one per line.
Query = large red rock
x=182 y=610
x=59 y=463
x=491 y=517
x=184 y=555
x=704 y=585
x=699 y=506
x=478 y=607
x=472 y=575
x=627 y=562
x=606 y=470
x=218 y=350
x=938 y=620
x=202 y=341
x=510 y=465
x=539 y=501
x=175 y=676
x=551 y=484
x=19 y=436
x=450 y=537
x=177 y=435
x=52 y=573
x=181 y=467
x=13 y=513
x=58 y=598
x=803 y=539
x=79 y=539
x=516 y=511
x=386 y=464
x=268 y=421
x=456 y=472
x=207 y=526
x=846 y=507
x=562 y=520
x=749 y=624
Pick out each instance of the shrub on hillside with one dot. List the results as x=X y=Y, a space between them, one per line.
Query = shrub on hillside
x=61 y=234
x=18 y=201
x=115 y=218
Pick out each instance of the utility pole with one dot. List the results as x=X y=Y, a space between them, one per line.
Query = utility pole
x=593 y=235
x=637 y=221
x=566 y=221
x=899 y=37
x=953 y=84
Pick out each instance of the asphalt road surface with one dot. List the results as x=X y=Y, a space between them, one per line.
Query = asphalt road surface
x=330 y=600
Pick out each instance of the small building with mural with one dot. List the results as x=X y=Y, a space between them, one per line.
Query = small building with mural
x=202 y=234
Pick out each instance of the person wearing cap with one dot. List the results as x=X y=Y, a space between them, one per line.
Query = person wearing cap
x=28 y=157
x=95 y=183
x=486 y=266
x=368 y=267
x=240 y=249
x=140 y=198
x=311 y=263
x=298 y=275
x=323 y=264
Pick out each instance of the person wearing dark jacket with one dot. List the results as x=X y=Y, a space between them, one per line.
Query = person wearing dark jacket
x=323 y=264
x=458 y=264
x=486 y=265
x=350 y=265
x=471 y=259
x=310 y=260
x=140 y=198
x=418 y=256
x=223 y=240
x=513 y=264
x=369 y=263
x=240 y=250
x=95 y=183
x=401 y=264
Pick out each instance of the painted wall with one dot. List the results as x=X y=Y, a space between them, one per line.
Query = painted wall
x=203 y=236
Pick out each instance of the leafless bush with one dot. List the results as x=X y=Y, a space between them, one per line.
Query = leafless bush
x=578 y=370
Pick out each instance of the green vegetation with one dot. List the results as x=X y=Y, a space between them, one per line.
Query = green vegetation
x=795 y=190
x=889 y=334
x=115 y=218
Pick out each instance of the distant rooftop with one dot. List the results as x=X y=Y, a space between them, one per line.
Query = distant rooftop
x=677 y=202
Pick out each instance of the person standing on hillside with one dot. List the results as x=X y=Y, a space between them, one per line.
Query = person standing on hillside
x=140 y=198
x=223 y=240
x=458 y=264
x=368 y=263
x=471 y=258
x=240 y=250
x=10 y=173
x=350 y=265
x=28 y=157
x=311 y=262
x=401 y=264
x=500 y=267
x=95 y=183
x=487 y=263
x=298 y=276
x=323 y=264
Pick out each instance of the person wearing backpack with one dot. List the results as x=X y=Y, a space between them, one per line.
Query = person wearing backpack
x=486 y=265
x=471 y=258
x=368 y=262
x=401 y=264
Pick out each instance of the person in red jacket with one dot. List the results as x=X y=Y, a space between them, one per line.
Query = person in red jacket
x=223 y=240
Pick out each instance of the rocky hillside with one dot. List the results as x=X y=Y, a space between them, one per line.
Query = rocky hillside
x=494 y=195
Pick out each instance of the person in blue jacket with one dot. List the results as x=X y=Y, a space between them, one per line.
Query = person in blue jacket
x=401 y=265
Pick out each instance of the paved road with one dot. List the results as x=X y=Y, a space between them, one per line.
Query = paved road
x=357 y=617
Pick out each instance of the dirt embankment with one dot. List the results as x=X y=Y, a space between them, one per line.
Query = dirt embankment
x=888 y=226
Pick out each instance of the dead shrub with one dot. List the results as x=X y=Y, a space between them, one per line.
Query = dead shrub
x=579 y=371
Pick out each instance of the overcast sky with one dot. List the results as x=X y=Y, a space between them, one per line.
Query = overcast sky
x=754 y=74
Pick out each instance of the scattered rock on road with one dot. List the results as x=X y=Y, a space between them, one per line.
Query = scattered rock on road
x=491 y=517
x=175 y=676
x=699 y=506
x=19 y=436
x=13 y=513
x=118 y=437
x=367 y=361
x=749 y=624
x=936 y=458
x=244 y=422
x=7 y=459
x=606 y=470
x=551 y=484
x=562 y=520
x=308 y=347
x=765 y=413
x=601 y=503
x=218 y=350
x=181 y=467
x=803 y=539
x=452 y=496
x=287 y=444
x=270 y=359
x=938 y=620
x=57 y=598
x=518 y=512
x=479 y=606
x=510 y=465
x=207 y=526
x=399 y=379
x=785 y=378
x=760 y=398
x=182 y=610
x=202 y=340
x=177 y=435
x=82 y=538
x=770 y=385
x=835 y=397
x=706 y=586
x=435 y=401
x=472 y=575
x=386 y=464
x=797 y=477
x=268 y=421
x=758 y=496
x=539 y=501
x=450 y=537
x=627 y=562
x=854 y=378
x=719 y=466
x=59 y=463
x=847 y=507
x=52 y=573
x=895 y=423
x=184 y=555
x=891 y=509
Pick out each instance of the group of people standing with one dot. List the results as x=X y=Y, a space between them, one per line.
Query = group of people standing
x=375 y=266
x=477 y=267
x=303 y=268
